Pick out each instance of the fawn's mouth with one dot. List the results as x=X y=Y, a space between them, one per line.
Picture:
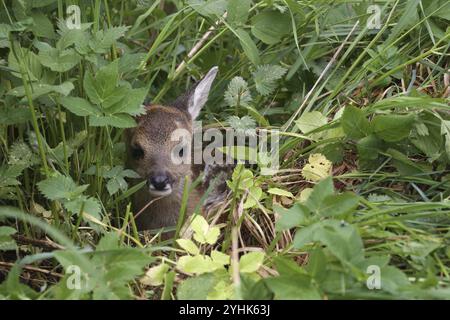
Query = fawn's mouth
x=158 y=192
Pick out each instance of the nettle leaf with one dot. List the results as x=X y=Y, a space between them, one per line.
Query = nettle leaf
x=21 y=154
x=393 y=127
x=266 y=76
x=10 y=115
x=270 y=26
x=238 y=93
x=6 y=241
x=251 y=262
x=9 y=175
x=355 y=123
x=60 y=188
x=88 y=205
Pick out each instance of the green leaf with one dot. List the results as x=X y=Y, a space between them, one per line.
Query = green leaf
x=293 y=287
x=266 y=77
x=295 y=216
x=101 y=89
x=79 y=106
x=369 y=147
x=188 y=246
x=321 y=191
x=355 y=123
x=338 y=205
x=393 y=127
x=58 y=60
x=270 y=26
x=310 y=121
x=251 y=262
x=203 y=233
x=249 y=47
x=209 y=8
x=120 y=120
x=238 y=11
x=238 y=93
x=6 y=241
x=197 y=288
x=60 y=187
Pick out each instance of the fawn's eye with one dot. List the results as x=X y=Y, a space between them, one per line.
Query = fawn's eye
x=137 y=152
x=181 y=152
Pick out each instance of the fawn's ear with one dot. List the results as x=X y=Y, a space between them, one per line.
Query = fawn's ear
x=197 y=97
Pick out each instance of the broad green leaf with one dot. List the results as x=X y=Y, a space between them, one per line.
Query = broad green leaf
x=197 y=288
x=238 y=11
x=119 y=120
x=355 y=123
x=295 y=216
x=188 y=246
x=249 y=47
x=79 y=106
x=251 y=262
x=270 y=26
x=393 y=127
x=310 y=121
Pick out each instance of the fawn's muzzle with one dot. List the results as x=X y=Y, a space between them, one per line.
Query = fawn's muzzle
x=160 y=184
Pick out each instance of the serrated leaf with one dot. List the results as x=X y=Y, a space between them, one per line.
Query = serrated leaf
x=238 y=93
x=310 y=121
x=79 y=106
x=266 y=77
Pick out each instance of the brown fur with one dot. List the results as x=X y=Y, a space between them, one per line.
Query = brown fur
x=152 y=134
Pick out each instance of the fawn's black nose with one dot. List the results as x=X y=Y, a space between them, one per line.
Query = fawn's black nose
x=159 y=182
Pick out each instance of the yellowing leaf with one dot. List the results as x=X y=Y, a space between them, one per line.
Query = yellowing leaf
x=220 y=258
x=197 y=264
x=189 y=246
x=280 y=192
x=155 y=275
x=203 y=233
x=317 y=168
x=251 y=262
x=304 y=194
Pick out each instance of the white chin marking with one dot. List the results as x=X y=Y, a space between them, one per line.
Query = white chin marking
x=160 y=193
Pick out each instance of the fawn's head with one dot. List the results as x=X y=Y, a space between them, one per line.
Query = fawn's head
x=161 y=137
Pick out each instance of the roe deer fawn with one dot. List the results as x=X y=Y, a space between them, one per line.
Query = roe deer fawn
x=149 y=153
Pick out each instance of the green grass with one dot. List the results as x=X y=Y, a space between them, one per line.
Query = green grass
x=375 y=103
